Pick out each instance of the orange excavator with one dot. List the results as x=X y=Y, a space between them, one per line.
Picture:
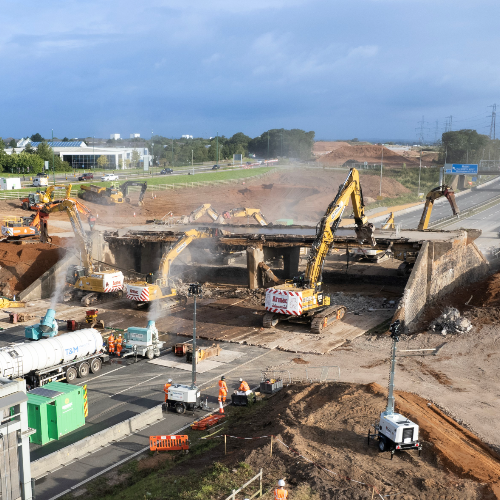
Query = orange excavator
x=33 y=226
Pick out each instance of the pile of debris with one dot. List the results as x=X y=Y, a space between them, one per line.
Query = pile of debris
x=359 y=303
x=450 y=321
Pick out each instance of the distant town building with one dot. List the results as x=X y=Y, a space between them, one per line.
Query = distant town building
x=186 y=136
x=135 y=136
x=114 y=136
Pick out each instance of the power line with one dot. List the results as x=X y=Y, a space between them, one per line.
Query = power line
x=436 y=132
x=421 y=130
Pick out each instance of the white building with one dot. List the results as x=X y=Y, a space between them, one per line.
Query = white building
x=79 y=155
x=186 y=136
x=135 y=136
x=114 y=136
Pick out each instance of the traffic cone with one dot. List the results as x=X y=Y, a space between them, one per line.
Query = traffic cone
x=134 y=214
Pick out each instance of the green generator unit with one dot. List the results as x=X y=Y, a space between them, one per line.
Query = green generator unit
x=55 y=410
x=283 y=222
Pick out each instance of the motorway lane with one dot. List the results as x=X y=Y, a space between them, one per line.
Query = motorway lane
x=442 y=207
x=248 y=366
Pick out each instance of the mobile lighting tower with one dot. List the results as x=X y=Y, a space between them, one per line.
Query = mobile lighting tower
x=395 y=431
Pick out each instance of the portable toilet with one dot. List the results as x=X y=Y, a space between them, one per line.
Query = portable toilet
x=55 y=410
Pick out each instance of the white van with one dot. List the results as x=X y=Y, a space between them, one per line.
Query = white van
x=41 y=180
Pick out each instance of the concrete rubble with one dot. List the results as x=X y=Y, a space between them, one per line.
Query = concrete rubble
x=451 y=321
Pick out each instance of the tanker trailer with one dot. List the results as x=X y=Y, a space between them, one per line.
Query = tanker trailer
x=59 y=358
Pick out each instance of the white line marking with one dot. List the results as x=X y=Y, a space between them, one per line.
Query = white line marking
x=161 y=375
x=107 y=373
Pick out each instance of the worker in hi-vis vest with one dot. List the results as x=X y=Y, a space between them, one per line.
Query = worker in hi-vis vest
x=165 y=388
x=222 y=393
x=280 y=493
x=244 y=387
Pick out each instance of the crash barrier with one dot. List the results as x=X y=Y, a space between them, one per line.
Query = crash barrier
x=207 y=422
x=94 y=442
x=168 y=443
x=302 y=374
x=85 y=402
x=258 y=493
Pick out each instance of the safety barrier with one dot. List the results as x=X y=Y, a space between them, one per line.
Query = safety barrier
x=168 y=443
x=85 y=402
x=258 y=493
x=309 y=374
x=17 y=195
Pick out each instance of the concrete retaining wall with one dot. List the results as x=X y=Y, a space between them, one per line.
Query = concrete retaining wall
x=93 y=443
x=440 y=268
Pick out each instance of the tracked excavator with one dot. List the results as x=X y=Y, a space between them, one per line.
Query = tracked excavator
x=84 y=281
x=33 y=226
x=36 y=201
x=206 y=208
x=303 y=300
x=124 y=188
x=157 y=285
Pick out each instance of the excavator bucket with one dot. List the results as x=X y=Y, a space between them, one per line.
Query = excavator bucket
x=450 y=196
x=365 y=234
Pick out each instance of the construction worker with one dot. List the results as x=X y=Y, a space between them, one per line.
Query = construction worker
x=222 y=393
x=165 y=388
x=119 y=347
x=280 y=493
x=244 y=387
x=111 y=344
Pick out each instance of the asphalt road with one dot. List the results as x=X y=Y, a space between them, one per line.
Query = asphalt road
x=442 y=208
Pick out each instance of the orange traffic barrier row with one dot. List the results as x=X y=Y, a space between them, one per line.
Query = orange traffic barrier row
x=207 y=422
x=168 y=443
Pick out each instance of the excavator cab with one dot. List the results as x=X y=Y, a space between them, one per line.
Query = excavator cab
x=74 y=273
x=150 y=279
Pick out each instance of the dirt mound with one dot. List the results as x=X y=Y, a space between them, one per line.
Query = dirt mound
x=21 y=265
x=325 y=147
x=328 y=425
x=370 y=154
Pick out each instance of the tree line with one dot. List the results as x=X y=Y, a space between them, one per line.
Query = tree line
x=467 y=146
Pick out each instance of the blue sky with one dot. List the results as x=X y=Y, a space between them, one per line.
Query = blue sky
x=351 y=68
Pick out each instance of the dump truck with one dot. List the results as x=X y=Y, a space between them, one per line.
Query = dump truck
x=100 y=194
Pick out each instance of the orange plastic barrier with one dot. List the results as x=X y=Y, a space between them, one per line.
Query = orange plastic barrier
x=207 y=422
x=168 y=443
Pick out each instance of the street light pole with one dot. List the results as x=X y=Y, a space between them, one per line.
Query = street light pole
x=419 y=172
x=53 y=168
x=381 y=165
x=268 y=145
x=217 y=148
x=152 y=152
x=192 y=164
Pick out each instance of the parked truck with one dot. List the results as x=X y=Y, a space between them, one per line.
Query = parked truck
x=64 y=357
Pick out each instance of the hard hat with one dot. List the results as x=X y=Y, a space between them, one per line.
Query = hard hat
x=241 y=380
x=281 y=482
x=169 y=381
x=223 y=378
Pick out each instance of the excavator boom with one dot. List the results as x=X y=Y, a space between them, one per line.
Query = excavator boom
x=246 y=212
x=431 y=197
x=125 y=187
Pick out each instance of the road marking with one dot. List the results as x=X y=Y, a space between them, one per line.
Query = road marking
x=156 y=376
x=107 y=373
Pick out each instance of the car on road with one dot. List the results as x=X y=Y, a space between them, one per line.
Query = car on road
x=86 y=177
x=166 y=171
x=109 y=177
x=216 y=167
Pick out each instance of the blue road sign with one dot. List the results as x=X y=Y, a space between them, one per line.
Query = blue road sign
x=474 y=179
x=461 y=168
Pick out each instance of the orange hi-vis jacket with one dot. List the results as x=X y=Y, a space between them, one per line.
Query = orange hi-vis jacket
x=222 y=387
x=165 y=390
x=280 y=494
x=244 y=387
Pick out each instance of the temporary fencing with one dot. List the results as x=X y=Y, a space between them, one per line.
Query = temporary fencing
x=207 y=422
x=168 y=443
x=302 y=374
x=258 y=493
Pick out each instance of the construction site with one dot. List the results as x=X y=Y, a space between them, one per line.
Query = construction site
x=366 y=332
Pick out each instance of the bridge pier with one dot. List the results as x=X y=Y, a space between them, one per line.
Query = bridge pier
x=291 y=258
x=461 y=182
x=254 y=257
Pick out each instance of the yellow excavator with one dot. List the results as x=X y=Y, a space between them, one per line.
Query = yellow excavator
x=86 y=283
x=157 y=285
x=199 y=212
x=303 y=300
x=36 y=201
x=246 y=212
x=431 y=197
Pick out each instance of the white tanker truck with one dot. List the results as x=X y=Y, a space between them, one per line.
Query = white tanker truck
x=59 y=358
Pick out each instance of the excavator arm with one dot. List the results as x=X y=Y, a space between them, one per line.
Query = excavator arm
x=176 y=249
x=431 y=197
x=247 y=212
x=144 y=186
x=199 y=212
x=325 y=231
x=389 y=223
x=72 y=211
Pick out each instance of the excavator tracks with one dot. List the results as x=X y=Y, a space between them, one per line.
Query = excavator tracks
x=324 y=318
x=269 y=320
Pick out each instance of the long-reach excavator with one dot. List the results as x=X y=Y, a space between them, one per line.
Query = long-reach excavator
x=206 y=208
x=157 y=285
x=303 y=300
x=431 y=197
x=36 y=201
x=85 y=282
x=124 y=188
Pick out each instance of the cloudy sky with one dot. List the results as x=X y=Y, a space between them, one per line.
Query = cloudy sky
x=343 y=68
